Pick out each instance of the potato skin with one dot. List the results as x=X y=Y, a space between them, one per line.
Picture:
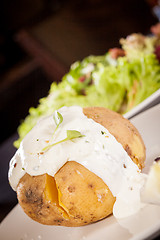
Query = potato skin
x=122 y=129
x=82 y=197
x=86 y=198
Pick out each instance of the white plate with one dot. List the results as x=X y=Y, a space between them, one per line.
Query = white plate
x=17 y=226
x=146 y=104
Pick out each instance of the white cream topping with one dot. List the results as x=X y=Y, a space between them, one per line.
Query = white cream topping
x=97 y=150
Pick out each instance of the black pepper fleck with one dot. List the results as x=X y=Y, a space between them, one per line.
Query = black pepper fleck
x=157 y=159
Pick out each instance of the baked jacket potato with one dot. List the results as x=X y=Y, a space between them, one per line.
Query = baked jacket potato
x=76 y=196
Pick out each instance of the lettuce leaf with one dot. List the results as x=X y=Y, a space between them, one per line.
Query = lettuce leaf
x=96 y=81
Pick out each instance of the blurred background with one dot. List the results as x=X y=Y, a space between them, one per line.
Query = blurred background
x=39 y=40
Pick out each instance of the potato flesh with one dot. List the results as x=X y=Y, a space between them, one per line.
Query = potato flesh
x=52 y=194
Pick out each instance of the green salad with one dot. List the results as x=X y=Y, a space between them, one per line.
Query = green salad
x=118 y=80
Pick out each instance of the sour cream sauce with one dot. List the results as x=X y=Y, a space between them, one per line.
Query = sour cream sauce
x=97 y=150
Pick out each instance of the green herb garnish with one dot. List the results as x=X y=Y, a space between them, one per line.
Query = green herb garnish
x=58 y=120
x=71 y=134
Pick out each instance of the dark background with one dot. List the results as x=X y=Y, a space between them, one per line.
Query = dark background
x=39 y=40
